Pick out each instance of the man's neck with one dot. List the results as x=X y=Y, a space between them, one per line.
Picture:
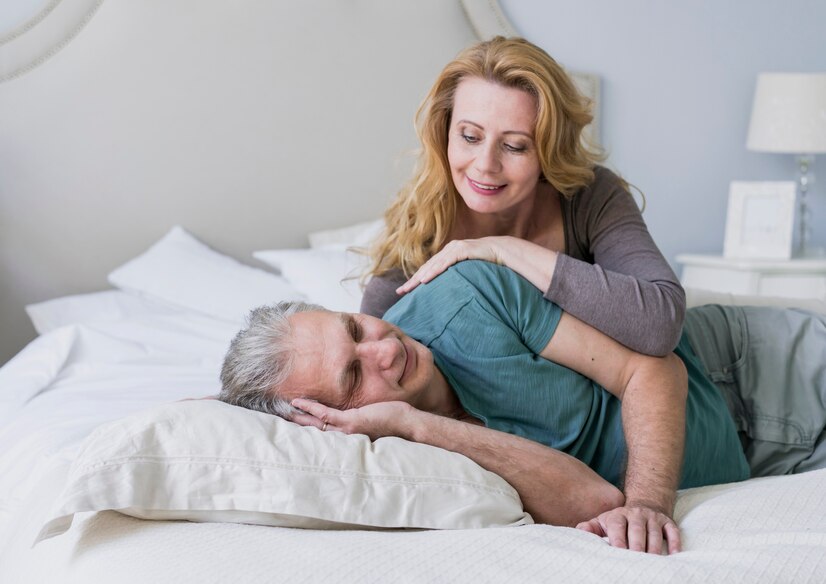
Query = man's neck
x=443 y=400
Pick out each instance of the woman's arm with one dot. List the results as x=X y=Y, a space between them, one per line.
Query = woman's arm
x=554 y=487
x=380 y=293
x=645 y=316
x=624 y=287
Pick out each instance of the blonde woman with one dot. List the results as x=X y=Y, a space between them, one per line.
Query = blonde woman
x=504 y=176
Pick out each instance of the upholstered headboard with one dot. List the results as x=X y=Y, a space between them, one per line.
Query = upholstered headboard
x=250 y=123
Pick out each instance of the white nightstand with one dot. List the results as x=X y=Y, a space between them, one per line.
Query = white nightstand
x=796 y=278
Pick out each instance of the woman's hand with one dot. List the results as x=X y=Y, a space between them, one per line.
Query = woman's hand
x=375 y=420
x=531 y=261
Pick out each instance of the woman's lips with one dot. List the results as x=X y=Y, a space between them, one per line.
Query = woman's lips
x=485 y=189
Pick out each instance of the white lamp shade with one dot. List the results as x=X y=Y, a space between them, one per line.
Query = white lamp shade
x=789 y=113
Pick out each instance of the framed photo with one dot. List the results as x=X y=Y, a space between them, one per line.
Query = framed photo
x=760 y=220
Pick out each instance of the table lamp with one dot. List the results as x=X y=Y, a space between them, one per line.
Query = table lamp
x=789 y=117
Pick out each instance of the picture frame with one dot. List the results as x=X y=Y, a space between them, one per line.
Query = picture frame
x=760 y=220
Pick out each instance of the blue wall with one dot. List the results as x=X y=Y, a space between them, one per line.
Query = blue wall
x=677 y=86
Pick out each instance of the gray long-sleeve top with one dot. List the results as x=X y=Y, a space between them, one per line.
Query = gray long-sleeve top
x=611 y=274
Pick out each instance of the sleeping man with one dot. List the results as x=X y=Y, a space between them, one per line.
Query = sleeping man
x=478 y=362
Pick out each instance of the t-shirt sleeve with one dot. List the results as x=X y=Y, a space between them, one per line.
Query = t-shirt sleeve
x=515 y=301
x=380 y=293
x=629 y=292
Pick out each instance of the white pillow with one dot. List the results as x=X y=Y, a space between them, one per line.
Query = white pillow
x=358 y=235
x=204 y=460
x=107 y=305
x=330 y=277
x=182 y=271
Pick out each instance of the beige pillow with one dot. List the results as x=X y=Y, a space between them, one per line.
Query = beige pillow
x=204 y=460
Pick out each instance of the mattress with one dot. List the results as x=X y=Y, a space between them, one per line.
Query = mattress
x=763 y=530
x=121 y=353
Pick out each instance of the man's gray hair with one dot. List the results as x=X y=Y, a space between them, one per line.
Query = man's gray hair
x=260 y=358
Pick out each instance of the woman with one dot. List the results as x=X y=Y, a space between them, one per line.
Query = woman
x=504 y=176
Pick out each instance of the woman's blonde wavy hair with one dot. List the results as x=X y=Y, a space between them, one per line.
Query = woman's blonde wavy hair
x=420 y=220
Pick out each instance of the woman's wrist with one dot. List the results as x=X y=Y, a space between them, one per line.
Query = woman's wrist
x=533 y=262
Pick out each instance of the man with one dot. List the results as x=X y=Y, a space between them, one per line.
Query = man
x=562 y=412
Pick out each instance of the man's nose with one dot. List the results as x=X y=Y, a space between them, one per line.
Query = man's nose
x=383 y=353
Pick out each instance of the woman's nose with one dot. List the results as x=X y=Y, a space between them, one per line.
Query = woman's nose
x=487 y=160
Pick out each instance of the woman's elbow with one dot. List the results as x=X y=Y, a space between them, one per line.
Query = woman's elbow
x=666 y=333
x=663 y=344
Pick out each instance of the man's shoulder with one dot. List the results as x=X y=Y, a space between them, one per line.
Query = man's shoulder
x=427 y=311
x=497 y=285
x=486 y=274
x=467 y=277
x=475 y=296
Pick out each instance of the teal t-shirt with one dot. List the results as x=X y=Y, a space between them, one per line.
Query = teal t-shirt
x=486 y=326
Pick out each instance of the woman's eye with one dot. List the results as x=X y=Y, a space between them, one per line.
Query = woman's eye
x=512 y=148
x=470 y=139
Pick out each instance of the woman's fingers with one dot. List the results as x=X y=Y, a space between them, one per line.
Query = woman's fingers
x=455 y=251
x=429 y=270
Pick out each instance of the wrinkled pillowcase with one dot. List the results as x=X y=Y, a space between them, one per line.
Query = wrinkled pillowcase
x=107 y=305
x=329 y=277
x=182 y=271
x=251 y=467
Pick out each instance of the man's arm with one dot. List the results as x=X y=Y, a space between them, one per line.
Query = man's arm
x=653 y=391
x=554 y=487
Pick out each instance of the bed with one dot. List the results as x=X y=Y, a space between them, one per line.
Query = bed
x=133 y=316
x=140 y=349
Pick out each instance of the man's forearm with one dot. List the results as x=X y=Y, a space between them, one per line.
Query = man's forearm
x=653 y=414
x=554 y=487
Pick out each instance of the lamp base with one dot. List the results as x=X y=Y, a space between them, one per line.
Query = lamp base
x=804 y=182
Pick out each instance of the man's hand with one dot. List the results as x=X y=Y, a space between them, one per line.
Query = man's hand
x=637 y=528
x=554 y=487
x=374 y=420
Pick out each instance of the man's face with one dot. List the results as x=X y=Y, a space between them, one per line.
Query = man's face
x=350 y=360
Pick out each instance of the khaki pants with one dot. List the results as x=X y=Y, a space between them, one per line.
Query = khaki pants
x=770 y=365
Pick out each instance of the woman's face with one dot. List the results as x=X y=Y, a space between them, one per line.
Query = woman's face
x=491 y=148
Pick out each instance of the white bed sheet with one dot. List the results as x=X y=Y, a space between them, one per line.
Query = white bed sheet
x=765 y=530
x=76 y=377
